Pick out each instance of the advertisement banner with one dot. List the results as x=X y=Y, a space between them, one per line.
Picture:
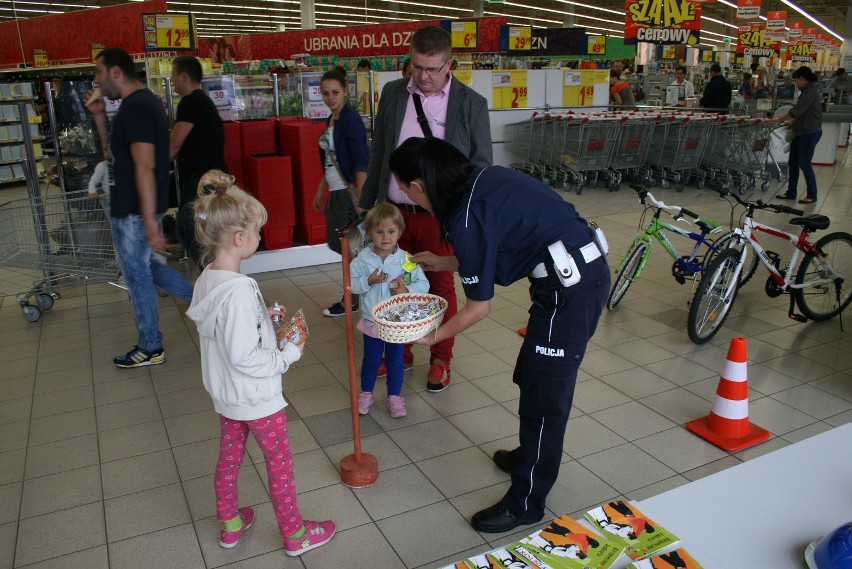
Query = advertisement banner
x=354 y=41
x=662 y=22
x=776 y=21
x=546 y=41
x=809 y=34
x=752 y=41
x=795 y=31
x=820 y=41
x=801 y=52
x=748 y=9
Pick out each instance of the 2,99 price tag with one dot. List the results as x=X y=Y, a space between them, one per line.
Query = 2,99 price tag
x=520 y=38
x=509 y=89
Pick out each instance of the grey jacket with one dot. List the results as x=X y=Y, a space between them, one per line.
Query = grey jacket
x=807 y=112
x=468 y=129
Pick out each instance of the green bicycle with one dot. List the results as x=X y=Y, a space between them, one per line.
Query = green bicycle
x=684 y=267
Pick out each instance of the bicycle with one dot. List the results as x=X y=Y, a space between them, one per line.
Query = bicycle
x=630 y=267
x=820 y=286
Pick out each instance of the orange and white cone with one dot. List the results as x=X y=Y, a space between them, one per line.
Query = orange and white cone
x=727 y=426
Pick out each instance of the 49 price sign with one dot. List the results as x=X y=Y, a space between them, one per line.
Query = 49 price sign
x=597 y=45
x=464 y=35
x=168 y=32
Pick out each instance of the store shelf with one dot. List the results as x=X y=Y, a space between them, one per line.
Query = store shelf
x=12 y=180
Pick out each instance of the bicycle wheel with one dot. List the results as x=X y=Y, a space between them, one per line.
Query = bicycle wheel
x=714 y=297
x=732 y=240
x=629 y=273
x=821 y=302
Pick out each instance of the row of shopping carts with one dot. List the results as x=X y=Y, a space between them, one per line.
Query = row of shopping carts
x=584 y=150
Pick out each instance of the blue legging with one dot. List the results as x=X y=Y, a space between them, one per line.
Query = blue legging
x=801 y=154
x=374 y=348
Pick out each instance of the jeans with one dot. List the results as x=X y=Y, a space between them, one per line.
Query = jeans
x=373 y=350
x=801 y=154
x=143 y=272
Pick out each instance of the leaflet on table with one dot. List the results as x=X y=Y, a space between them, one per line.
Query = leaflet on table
x=677 y=559
x=565 y=543
x=623 y=523
x=295 y=331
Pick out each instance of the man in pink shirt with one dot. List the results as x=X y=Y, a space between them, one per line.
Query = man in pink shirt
x=450 y=111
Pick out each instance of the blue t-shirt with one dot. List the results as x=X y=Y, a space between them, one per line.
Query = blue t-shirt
x=140 y=118
x=501 y=229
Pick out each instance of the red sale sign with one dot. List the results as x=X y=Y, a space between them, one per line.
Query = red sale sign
x=662 y=22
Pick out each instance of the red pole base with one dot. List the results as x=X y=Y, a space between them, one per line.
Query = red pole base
x=755 y=435
x=359 y=474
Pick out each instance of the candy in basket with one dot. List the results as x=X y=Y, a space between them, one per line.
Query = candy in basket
x=406 y=317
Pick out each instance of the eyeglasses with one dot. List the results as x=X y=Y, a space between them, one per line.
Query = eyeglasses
x=429 y=70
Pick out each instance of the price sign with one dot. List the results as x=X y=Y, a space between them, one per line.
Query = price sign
x=172 y=32
x=578 y=87
x=520 y=38
x=597 y=45
x=465 y=76
x=464 y=35
x=669 y=52
x=96 y=49
x=509 y=89
x=39 y=58
x=219 y=97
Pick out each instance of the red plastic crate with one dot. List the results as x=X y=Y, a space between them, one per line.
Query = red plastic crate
x=234 y=152
x=270 y=180
x=277 y=237
x=300 y=140
x=310 y=234
x=258 y=136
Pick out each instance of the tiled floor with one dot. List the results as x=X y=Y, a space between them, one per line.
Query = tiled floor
x=102 y=467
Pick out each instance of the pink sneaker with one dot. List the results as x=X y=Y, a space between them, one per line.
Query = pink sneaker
x=396 y=406
x=365 y=400
x=229 y=539
x=316 y=534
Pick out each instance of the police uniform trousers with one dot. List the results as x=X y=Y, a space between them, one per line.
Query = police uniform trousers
x=562 y=320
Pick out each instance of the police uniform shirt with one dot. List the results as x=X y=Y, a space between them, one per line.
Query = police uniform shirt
x=501 y=229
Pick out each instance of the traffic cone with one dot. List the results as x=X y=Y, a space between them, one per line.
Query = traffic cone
x=727 y=426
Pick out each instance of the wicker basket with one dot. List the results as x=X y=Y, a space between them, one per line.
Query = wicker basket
x=406 y=332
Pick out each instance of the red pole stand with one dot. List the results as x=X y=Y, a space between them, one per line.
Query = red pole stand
x=357 y=470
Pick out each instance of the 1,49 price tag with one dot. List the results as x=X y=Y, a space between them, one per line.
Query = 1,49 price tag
x=520 y=38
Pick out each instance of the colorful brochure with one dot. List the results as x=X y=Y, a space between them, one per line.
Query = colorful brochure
x=295 y=331
x=565 y=543
x=677 y=559
x=623 y=523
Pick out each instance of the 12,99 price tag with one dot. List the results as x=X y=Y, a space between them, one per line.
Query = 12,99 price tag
x=509 y=89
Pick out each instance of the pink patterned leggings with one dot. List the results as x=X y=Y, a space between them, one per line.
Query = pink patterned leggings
x=271 y=435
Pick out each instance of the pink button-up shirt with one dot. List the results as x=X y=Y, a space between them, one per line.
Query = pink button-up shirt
x=435 y=109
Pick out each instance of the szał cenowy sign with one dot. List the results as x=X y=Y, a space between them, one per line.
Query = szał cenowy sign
x=665 y=22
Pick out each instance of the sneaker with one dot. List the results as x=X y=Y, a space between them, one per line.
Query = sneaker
x=438 y=378
x=137 y=357
x=229 y=539
x=406 y=365
x=365 y=400
x=316 y=534
x=337 y=309
x=396 y=406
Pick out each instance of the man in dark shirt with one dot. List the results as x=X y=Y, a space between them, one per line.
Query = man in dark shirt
x=139 y=195
x=717 y=91
x=198 y=141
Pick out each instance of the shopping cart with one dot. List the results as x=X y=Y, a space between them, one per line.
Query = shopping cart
x=630 y=148
x=738 y=154
x=525 y=139
x=50 y=242
x=582 y=149
x=676 y=148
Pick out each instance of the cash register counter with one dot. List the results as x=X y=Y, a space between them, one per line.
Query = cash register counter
x=835 y=132
x=762 y=513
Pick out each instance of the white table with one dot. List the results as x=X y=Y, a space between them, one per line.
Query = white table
x=762 y=513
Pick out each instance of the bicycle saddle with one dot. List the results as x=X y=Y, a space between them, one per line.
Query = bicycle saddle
x=707 y=227
x=811 y=222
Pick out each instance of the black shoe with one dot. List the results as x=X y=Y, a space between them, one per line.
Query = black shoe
x=497 y=519
x=507 y=460
x=785 y=197
x=337 y=309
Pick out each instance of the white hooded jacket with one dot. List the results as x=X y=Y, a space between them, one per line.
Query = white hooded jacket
x=241 y=365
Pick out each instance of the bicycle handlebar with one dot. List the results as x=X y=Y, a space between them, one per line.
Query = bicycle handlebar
x=676 y=211
x=759 y=204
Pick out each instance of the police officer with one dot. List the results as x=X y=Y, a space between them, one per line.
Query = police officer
x=505 y=226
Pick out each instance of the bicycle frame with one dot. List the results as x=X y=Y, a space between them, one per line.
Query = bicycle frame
x=656 y=230
x=800 y=244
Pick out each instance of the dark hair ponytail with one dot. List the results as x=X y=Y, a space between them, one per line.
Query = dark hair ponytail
x=442 y=167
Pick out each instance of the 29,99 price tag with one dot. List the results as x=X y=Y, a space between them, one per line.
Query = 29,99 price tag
x=509 y=89
x=520 y=38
